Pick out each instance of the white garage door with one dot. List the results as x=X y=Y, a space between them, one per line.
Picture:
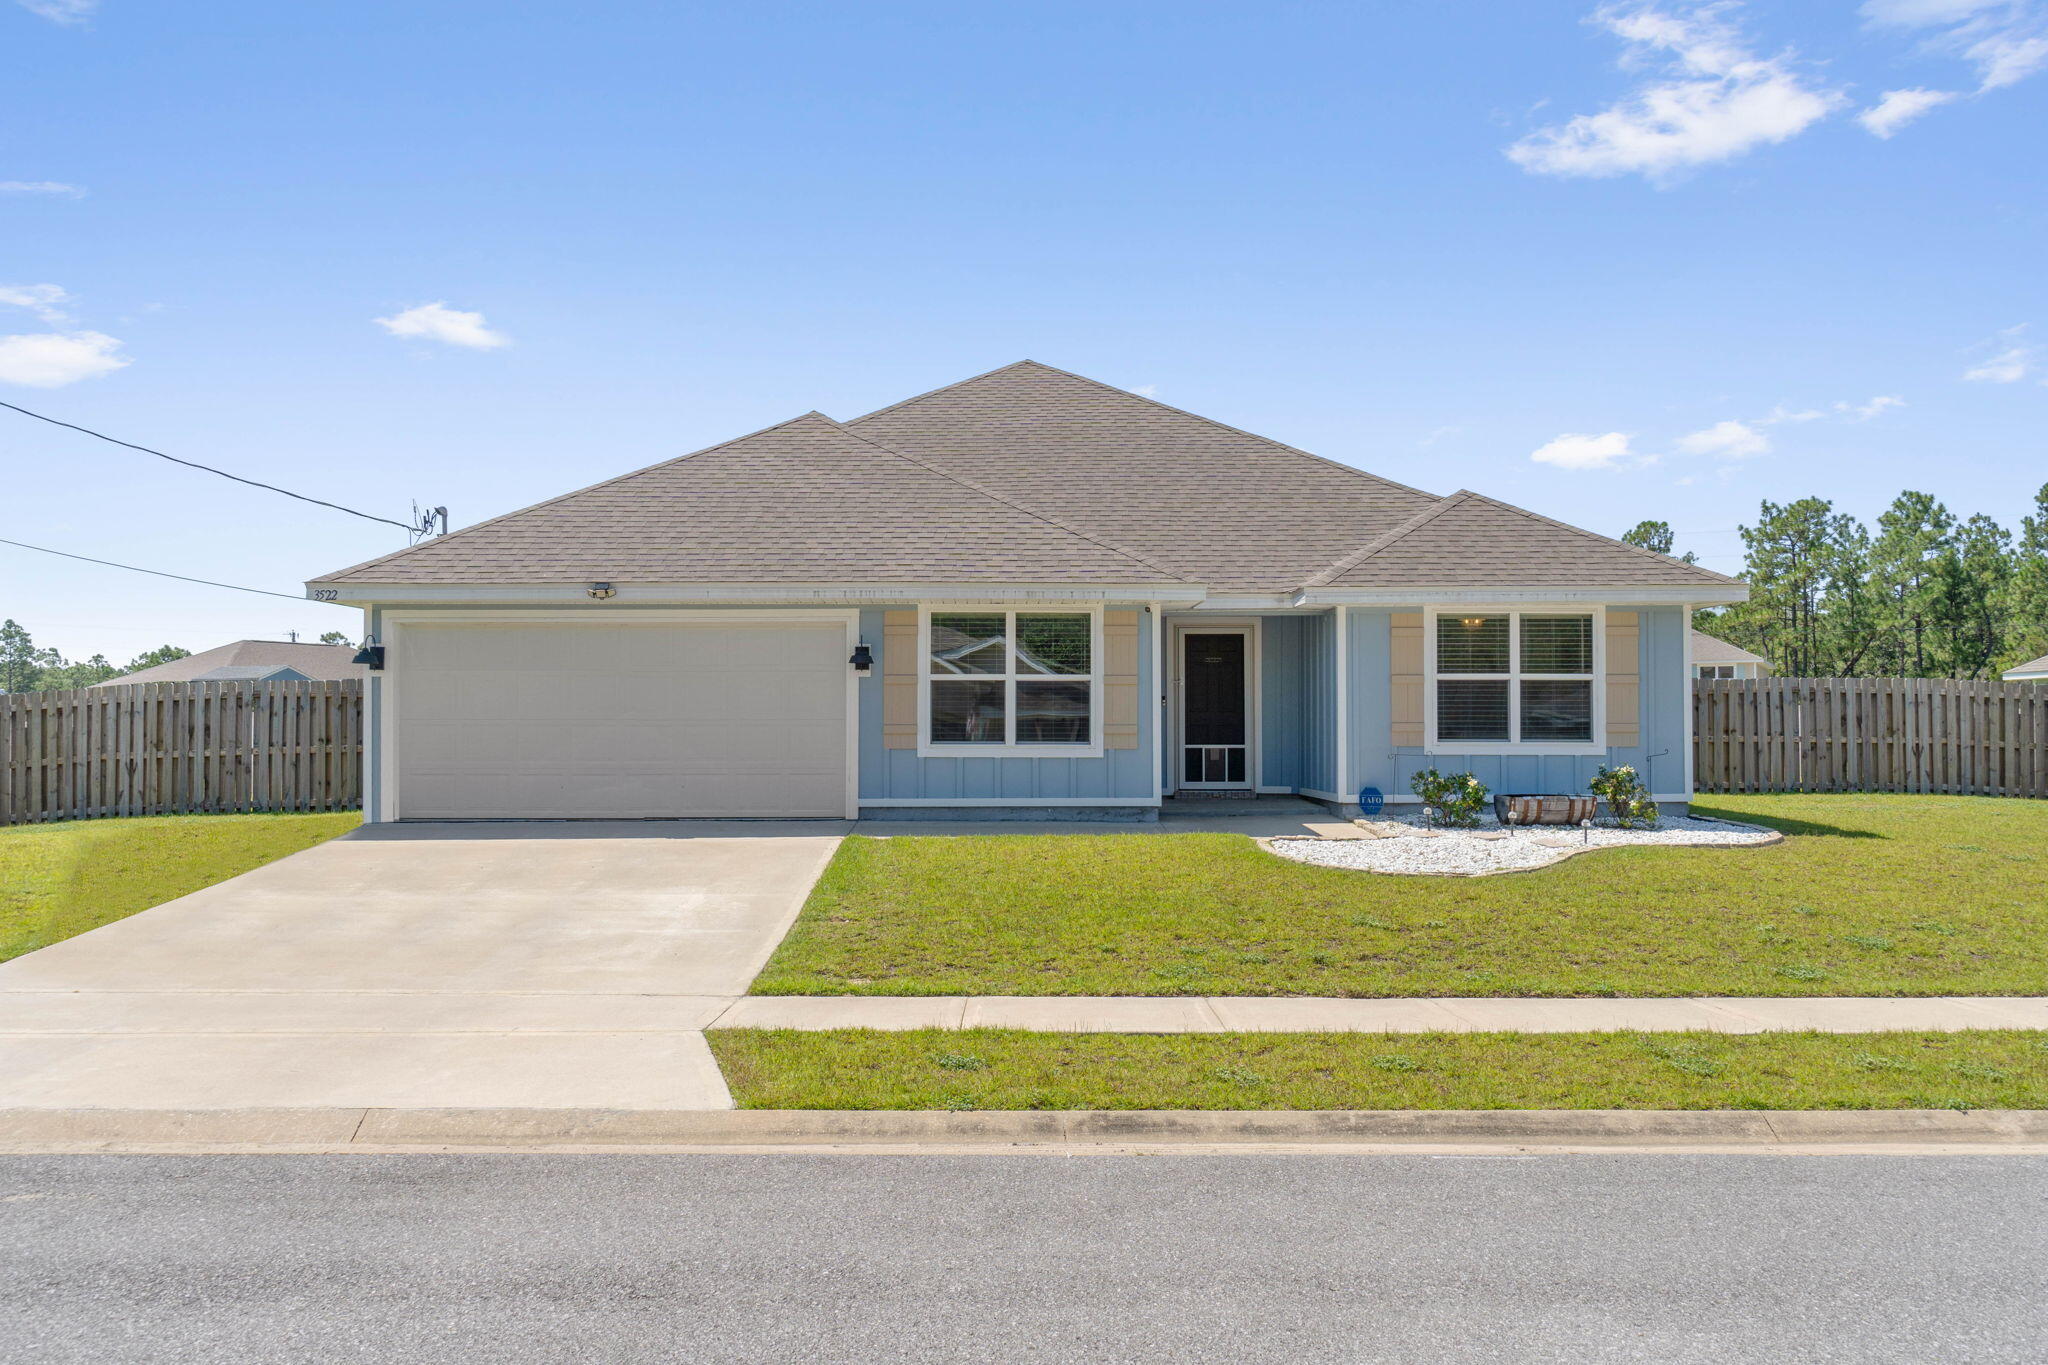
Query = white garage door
x=621 y=720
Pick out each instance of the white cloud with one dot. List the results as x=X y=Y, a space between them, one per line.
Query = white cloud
x=2007 y=367
x=1711 y=100
x=1899 y=108
x=1578 y=451
x=49 y=360
x=61 y=11
x=1729 y=440
x=439 y=322
x=2005 y=58
x=40 y=299
x=1146 y=391
x=55 y=187
x=1863 y=412
x=2006 y=40
x=2010 y=360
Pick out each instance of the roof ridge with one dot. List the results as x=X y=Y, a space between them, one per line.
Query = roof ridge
x=1595 y=535
x=573 y=493
x=1010 y=502
x=1386 y=538
x=1352 y=470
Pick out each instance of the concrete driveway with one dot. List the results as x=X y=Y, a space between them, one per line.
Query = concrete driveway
x=528 y=965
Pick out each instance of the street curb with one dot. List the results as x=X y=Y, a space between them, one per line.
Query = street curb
x=363 y=1130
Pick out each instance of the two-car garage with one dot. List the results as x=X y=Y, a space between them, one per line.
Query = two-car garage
x=655 y=716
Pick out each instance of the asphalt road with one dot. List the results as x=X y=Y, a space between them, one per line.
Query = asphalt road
x=621 y=1259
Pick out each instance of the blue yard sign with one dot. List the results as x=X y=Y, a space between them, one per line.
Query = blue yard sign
x=1371 y=801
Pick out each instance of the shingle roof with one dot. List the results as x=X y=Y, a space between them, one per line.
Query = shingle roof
x=1712 y=649
x=1024 y=474
x=321 y=663
x=2029 y=671
x=1222 y=507
x=1469 y=541
x=807 y=501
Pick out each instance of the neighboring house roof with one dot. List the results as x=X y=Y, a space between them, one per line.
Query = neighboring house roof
x=253 y=673
x=2037 y=671
x=310 y=662
x=1026 y=474
x=807 y=501
x=1711 y=649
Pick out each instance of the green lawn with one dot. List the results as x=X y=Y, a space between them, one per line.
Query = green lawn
x=1871 y=895
x=1009 y=1069
x=63 y=879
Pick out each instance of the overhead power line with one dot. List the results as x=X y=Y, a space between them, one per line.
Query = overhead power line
x=159 y=573
x=416 y=528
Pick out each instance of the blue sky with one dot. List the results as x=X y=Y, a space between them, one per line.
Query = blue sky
x=1691 y=257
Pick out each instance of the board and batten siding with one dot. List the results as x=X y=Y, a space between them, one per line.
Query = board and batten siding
x=1648 y=696
x=892 y=770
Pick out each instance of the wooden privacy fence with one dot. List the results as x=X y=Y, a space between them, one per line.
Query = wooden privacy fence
x=1870 y=735
x=180 y=748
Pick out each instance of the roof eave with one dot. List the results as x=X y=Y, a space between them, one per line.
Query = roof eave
x=763 y=594
x=1650 y=595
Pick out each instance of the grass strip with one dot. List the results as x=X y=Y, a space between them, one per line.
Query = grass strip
x=59 y=880
x=1869 y=895
x=1013 y=1069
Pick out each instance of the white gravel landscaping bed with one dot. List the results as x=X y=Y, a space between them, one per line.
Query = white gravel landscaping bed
x=1492 y=848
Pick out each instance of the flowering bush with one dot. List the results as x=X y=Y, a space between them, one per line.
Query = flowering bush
x=1455 y=797
x=1625 y=795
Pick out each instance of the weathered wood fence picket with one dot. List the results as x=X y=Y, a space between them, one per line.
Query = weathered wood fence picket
x=180 y=748
x=1870 y=734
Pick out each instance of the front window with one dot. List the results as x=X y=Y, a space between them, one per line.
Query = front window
x=1514 y=677
x=1716 y=671
x=1010 y=678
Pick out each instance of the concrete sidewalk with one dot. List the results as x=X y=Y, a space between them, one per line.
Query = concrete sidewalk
x=1250 y=1014
x=519 y=965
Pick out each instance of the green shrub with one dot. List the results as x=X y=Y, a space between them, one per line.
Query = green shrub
x=1456 y=798
x=1627 y=798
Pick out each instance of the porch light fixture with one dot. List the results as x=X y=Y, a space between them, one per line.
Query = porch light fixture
x=863 y=660
x=602 y=591
x=370 y=656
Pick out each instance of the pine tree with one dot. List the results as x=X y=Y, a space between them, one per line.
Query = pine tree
x=1913 y=536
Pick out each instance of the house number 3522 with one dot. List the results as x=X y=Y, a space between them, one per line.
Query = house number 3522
x=325 y=594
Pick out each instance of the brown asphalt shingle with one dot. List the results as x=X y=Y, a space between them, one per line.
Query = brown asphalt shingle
x=1026 y=474
x=1222 y=507
x=803 y=502
x=1469 y=541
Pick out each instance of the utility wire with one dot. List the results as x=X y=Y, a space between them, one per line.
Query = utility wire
x=66 y=554
x=193 y=464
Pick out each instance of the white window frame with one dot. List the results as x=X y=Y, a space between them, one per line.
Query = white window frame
x=1713 y=673
x=1514 y=677
x=1009 y=611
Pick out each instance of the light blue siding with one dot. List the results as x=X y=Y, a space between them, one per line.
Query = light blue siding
x=1660 y=758
x=1283 y=700
x=1319 y=710
x=901 y=775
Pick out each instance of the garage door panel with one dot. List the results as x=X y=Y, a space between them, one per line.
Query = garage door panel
x=538 y=721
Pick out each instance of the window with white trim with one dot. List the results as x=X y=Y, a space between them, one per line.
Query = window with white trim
x=1525 y=679
x=997 y=678
x=1724 y=671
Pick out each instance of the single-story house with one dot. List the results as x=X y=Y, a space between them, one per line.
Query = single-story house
x=1716 y=658
x=253 y=661
x=2037 y=671
x=1022 y=595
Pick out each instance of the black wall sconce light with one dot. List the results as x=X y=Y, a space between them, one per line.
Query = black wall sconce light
x=370 y=656
x=863 y=660
x=602 y=591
